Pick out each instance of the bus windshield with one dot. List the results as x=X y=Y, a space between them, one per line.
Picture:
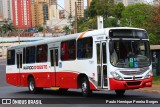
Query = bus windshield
x=130 y=54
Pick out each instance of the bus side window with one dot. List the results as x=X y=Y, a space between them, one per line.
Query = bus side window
x=30 y=54
x=41 y=55
x=84 y=48
x=11 y=57
x=68 y=50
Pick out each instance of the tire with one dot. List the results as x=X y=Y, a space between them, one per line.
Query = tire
x=31 y=86
x=85 y=87
x=120 y=92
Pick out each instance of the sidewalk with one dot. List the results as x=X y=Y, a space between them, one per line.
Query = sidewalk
x=153 y=89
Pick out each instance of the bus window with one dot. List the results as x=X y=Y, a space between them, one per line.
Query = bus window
x=68 y=50
x=42 y=53
x=104 y=52
x=84 y=48
x=24 y=55
x=11 y=57
x=30 y=54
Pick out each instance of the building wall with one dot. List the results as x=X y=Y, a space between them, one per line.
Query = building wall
x=22 y=14
x=6 y=9
x=80 y=8
x=54 y=12
x=40 y=12
x=69 y=6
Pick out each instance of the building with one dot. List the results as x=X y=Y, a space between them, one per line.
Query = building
x=6 y=9
x=155 y=54
x=40 y=12
x=61 y=14
x=53 y=10
x=80 y=8
x=22 y=14
x=1 y=9
x=70 y=8
x=128 y=2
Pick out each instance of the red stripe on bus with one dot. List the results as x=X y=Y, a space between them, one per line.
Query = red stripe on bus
x=46 y=79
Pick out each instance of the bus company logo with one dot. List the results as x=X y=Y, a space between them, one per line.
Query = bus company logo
x=35 y=67
x=6 y=101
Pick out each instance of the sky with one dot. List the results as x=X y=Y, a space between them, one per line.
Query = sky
x=61 y=2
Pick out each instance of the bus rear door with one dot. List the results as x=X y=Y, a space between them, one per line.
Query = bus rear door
x=54 y=60
x=19 y=60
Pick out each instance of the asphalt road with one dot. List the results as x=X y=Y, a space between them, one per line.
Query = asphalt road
x=72 y=98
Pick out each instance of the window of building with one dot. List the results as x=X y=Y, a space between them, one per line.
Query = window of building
x=30 y=54
x=42 y=51
x=11 y=57
x=84 y=48
x=68 y=50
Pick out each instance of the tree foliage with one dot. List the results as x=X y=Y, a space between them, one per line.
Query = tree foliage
x=40 y=29
x=6 y=28
x=118 y=10
x=137 y=15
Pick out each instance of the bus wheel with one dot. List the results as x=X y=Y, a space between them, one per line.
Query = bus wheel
x=31 y=85
x=120 y=92
x=85 y=87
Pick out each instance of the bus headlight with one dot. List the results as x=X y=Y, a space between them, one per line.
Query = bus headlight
x=149 y=74
x=116 y=76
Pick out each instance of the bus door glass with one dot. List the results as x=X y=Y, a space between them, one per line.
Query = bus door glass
x=19 y=61
x=102 y=79
x=54 y=58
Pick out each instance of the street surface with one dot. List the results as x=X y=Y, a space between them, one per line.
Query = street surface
x=8 y=91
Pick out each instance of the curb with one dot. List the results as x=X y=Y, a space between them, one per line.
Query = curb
x=148 y=90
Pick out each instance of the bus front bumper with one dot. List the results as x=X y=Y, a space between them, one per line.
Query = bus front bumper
x=129 y=84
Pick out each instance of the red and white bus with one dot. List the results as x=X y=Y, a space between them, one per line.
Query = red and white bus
x=106 y=59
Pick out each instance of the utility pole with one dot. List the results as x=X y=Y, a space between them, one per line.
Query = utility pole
x=76 y=18
x=70 y=16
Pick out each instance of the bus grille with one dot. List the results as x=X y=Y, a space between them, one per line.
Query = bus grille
x=133 y=83
x=132 y=72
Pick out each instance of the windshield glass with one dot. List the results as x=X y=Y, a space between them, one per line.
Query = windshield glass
x=132 y=54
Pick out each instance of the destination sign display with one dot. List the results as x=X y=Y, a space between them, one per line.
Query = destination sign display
x=128 y=33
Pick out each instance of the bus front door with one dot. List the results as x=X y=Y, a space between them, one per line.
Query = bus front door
x=102 y=79
x=19 y=61
x=54 y=62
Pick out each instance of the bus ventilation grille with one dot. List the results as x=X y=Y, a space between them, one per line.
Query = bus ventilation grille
x=132 y=72
x=133 y=83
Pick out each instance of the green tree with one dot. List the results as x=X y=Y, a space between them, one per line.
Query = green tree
x=88 y=25
x=92 y=9
x=66 y=29
x=137 y=15
x=105 y=8
x=153 y=39
x=118 y=10
x=111 y=22
x=6 y=28
x=40 y=29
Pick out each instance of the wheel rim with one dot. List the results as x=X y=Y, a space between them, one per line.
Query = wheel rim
x=31 y=85
x=84 y=87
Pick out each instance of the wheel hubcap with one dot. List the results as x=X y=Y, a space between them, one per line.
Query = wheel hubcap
x=84 y=87
x=31 y=86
